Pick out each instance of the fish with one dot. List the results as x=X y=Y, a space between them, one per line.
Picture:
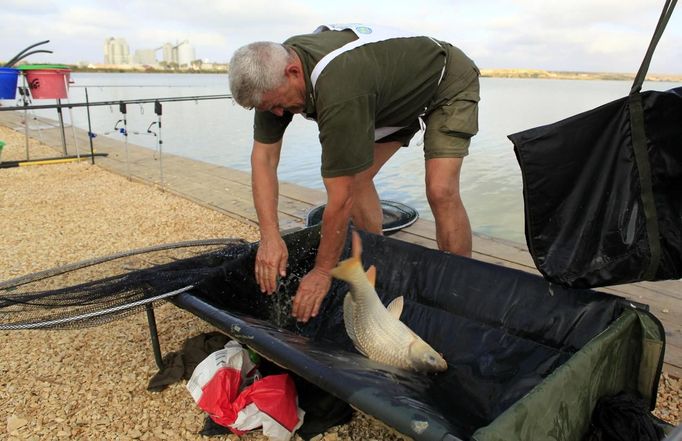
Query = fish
x=375 y=330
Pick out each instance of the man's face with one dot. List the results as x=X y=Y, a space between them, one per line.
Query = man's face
x=287 y=97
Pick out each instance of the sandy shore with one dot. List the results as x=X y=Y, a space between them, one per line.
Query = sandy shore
x=91 y=383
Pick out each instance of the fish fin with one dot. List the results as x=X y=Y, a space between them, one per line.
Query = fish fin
x=349 y=321
x=372 y=275
x=395 y=308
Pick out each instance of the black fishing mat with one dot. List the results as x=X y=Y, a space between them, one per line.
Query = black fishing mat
x=503 y=332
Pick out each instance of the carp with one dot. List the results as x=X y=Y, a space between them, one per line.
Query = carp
x=376 y=330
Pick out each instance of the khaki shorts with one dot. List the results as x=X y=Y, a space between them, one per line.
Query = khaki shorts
x=449 y=128
x=454 y=118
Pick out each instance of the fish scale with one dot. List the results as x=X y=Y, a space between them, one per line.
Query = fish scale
x=382 y=333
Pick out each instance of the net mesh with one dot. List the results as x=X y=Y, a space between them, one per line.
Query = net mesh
x=100 y=290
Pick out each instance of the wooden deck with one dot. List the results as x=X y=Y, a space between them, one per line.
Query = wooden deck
x=229 y=191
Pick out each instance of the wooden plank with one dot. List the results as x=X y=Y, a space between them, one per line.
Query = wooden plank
x=674 y=370
x=640 y=288
x=673 y=358
x=408 y=236
x=659 y=304
x=670 y=288
x=293 y=193
x=673 y=342
x=307 y=195
x=484 y=248
x=11 y=119
x=237 y=197
x=242 y=190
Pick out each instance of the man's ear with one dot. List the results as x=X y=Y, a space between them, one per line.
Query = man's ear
x=293 y=70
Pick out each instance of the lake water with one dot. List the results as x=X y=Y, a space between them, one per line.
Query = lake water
x=220 y=132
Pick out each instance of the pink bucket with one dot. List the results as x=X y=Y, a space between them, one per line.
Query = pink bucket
x=48 y=83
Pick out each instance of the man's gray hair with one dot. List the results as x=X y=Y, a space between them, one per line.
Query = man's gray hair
x=255 y=69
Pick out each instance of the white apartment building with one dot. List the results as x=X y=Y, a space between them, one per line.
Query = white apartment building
x=116 y=51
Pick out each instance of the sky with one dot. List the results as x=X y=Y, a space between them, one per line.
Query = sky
x=568 y=35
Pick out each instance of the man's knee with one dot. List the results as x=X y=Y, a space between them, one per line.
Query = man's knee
x=439 y=193
x=442 y=180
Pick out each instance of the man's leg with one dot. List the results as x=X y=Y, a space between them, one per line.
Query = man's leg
x=453 y=231
x=366 y=212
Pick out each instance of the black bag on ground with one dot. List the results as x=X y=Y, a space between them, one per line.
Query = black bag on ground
x=603 y=189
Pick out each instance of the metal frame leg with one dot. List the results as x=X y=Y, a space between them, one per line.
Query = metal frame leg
x=151 y=320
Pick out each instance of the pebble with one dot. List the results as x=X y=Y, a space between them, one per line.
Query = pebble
x=14 y=423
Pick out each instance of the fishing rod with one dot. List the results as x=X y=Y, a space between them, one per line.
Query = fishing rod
x=118 y=102
x=40 y=51
x=45 y=161
x=18 y=56
x=140 y=86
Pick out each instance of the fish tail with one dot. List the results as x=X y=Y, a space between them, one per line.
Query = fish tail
x=356 y=245
x=347 y=267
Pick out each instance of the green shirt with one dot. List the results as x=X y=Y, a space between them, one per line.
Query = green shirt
x=384 y=84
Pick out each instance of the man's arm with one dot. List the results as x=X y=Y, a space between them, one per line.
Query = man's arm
x=272 y=255
x=315 y=285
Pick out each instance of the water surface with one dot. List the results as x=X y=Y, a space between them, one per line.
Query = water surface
x=220 y=132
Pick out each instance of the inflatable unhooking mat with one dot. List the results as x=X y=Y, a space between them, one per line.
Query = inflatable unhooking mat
x=527 y=359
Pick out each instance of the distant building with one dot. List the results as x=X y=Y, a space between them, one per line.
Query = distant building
x=179 y=54
x=145 y=56
x=185 y=53
x=168 y=53
x=116 y=51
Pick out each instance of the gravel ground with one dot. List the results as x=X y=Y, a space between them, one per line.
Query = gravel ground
x=91 y=383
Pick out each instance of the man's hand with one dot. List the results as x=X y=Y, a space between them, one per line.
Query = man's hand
x=311 y=291
x=315 y=285
x=271 y=261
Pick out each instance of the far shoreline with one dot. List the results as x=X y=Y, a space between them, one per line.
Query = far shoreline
x=573 y=75
x=485 y=72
